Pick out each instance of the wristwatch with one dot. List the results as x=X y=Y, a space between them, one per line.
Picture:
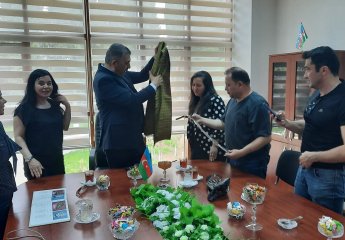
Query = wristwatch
x=27 y=160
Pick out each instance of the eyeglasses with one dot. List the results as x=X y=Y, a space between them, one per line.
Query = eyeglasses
x=312 y=105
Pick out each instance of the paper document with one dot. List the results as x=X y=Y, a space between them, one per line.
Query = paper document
x=49 y=206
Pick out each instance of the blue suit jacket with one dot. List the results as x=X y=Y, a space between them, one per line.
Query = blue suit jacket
x=121 y=107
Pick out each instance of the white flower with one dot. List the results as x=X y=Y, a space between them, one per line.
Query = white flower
x=178 y=233
x=219 y=227
x=175 y=202
x=178 y=196
x=177 y=223
x=187 y=205
x=189 y=228
x=166 y=194
x=177 y=213
x=165 y=228
x=169 y=196
x=204 y=236
x=217 y=237
x=163 y=192
x=204 y=227
x=162 y=212
x=184 y=238
x=160 y=224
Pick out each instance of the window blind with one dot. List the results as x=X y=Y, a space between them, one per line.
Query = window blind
x=49 y=35
x=54 y=35
x=198 y=34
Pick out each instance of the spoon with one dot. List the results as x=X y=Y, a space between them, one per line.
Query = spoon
x=289 y=221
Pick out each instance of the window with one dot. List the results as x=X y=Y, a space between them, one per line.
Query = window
x=54 y=35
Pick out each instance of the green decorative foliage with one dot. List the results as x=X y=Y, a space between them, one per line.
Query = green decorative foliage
x=176 y=214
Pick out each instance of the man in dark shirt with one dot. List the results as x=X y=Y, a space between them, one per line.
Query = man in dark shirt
x=246 y=123
x=321 y=175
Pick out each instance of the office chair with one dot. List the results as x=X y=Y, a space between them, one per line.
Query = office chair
x=97 y=158
x=287 y=167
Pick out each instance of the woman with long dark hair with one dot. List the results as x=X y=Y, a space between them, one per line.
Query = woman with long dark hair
x=204 y=101
x=38 y=125
x=8 y=149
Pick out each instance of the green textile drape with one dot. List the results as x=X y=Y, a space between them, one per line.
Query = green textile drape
x=159 y=111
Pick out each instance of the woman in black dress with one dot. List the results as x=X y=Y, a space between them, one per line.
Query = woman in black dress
x=8 y=149
x=38 y=125
x=204 y=101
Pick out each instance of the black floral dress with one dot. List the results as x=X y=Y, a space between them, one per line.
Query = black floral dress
x=199 y=144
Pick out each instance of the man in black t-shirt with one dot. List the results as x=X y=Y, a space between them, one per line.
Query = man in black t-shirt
x=246 y=123
x=321 y=175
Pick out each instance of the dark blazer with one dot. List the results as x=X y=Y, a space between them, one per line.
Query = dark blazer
x=120 y=107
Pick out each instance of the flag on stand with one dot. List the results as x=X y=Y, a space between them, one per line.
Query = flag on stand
x=145 y=166
x=302 y=37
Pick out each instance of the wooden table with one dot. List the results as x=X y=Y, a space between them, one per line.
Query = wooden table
x=280 y=202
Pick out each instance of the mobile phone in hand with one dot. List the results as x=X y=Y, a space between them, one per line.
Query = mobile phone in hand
x=275 y=115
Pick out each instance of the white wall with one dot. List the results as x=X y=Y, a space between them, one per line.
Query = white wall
x=263 y=43
x=242 y=39
x=323 y=21
x=274 y=25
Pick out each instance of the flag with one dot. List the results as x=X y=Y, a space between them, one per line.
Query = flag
x=302 y=37
x=145 y=166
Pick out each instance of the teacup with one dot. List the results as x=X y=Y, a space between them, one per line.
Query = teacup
x=85 y=209
x=188 y=176
x=89 y=176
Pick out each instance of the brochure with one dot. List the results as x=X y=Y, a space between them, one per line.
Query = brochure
x=49 y=206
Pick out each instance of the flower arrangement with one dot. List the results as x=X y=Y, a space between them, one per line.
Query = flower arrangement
x=176 y=214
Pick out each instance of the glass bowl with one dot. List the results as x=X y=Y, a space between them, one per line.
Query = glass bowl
x=253 y=193
x=330 y=228
x=124 y=233
x=236 y=210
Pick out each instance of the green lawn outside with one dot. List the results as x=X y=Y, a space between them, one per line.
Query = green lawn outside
x=78 y=160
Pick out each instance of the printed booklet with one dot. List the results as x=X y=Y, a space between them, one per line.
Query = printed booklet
x=49 y=206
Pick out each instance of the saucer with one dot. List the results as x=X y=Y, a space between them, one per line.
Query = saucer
x=95 y=216
x=183 y=169
x=188 y=184
x=88 y=183
x=131 y=177
x=287 y=223
x=199 y=178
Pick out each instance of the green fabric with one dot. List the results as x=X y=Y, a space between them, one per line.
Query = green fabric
x=159 y=111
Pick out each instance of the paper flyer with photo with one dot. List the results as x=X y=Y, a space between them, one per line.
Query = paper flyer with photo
x=49 y=206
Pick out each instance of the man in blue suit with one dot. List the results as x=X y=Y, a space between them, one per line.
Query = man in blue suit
x=120 y=106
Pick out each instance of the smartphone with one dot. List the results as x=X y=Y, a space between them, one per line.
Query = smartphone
x=275 y=115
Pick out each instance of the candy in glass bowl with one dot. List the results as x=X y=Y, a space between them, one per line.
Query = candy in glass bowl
x=103 y=182
x=330 y=228
x=236 y=210
x=123 y=228
x=253 y=193
x=120 y=211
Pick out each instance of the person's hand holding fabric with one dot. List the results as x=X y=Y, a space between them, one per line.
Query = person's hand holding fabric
x=156 y=80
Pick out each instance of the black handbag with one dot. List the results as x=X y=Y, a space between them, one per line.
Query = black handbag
x=217 y=187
